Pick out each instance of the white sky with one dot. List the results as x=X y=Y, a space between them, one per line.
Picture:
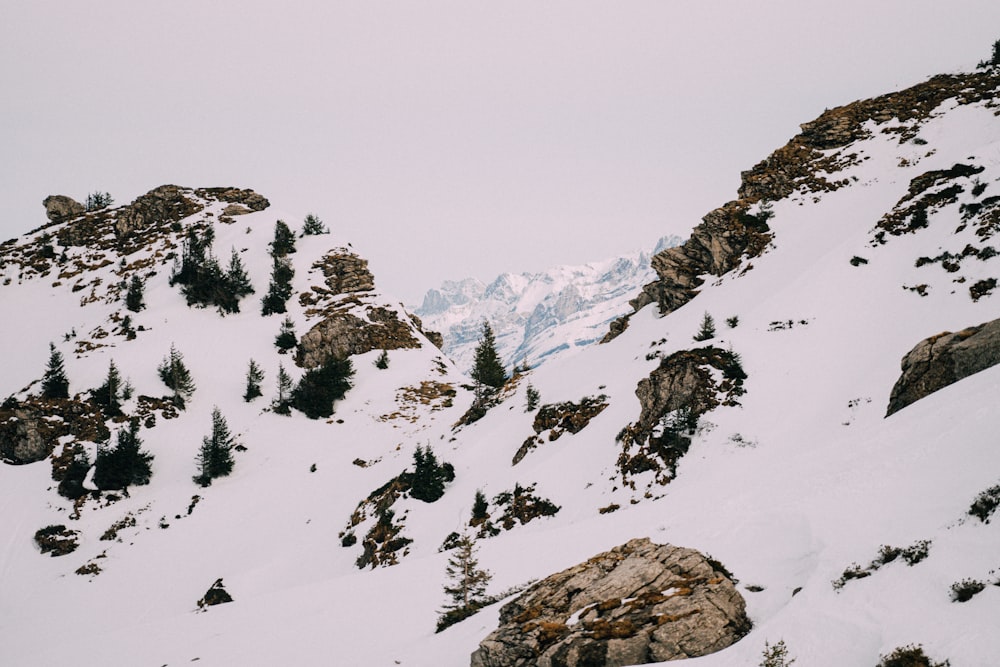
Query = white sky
x=448 y=139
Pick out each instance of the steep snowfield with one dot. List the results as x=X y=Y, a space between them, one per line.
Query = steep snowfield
x=788 y=490
x=537 y=316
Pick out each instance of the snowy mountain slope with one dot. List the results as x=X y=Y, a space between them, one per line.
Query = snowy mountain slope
x=536 y=316
x=788 y=489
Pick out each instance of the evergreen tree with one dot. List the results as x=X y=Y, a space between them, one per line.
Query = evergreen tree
x=468 y=588
x=480 y=509
x=707 y=330
x=109 y=395
x=126 y=464
x=533 y=397
x=313 y=226
x=280 y=288
x=382 y=362
x=487 y=369
x=97 y=200
x=177 y=377
x=134 y=300
x=283 y=401
x=286 y=340
x=255 y=375
x=284 y=240
x=215 y=458
x=55 y=384
x=236 y=276
x=321 y=386
x=429 y=477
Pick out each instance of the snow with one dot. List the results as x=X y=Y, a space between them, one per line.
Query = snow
x=826 y=482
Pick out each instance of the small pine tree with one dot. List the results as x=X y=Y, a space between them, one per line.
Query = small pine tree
x=124 y=465
x=280 y=288
x=533 y=397
x=177 y=377
x=776 y=655
x=469 y=581
x=284 y=240
x=109 y=395
x=313 y=226
x=319 y=387
x=707 y=330
x=55 y=384
x=487 y=370
x=283 y=401
x=237 y=282
x=215 y=458
x=480 y=509
x=134 y=297
x=286 y=340
x=255 y=375
x=382 y=362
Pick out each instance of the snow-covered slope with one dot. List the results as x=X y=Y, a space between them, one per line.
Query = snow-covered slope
x=536 y=316
x=788 y=489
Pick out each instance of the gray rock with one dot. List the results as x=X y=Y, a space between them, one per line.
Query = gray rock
x=638 y=603
x=943 y=359
x=60 y=208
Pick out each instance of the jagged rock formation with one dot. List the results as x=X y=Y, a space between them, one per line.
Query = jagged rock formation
x=638 y=603
x=60 y=208
x=536 y=316
x=350 y=324
x=681 y=389
x=807 y=164
x=941 y=360
x=30 y=430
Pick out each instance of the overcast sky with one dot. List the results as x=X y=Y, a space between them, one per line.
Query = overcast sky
x=448 y=139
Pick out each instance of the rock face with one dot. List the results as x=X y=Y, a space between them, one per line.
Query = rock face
x=940 y=360
x=685 y=386
x=349 y=325
x=60 y=208
x=166 y=203
x=636 y=604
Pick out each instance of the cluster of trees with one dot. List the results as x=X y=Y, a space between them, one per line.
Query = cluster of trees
x=315 y=393
x=429 y=477
x=202 y=280
x=215 y=458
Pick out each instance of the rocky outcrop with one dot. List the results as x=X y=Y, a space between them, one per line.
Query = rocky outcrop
x=343 y=334
x=636 y=604
x=559 y=418
x=165 y=204
x=686 y=385
x=31 y=429
x=943 y=359
x=807 y=164
x=216 y=594
x=242 y=200
x=348 y=326
x=60 y=208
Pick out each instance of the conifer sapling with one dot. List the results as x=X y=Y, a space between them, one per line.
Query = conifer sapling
x=55 y=384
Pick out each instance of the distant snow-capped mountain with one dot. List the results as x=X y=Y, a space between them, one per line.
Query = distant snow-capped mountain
x=537 y=316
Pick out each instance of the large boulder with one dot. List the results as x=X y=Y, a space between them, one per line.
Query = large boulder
x=636 y=604
x=943 y=359
x=60 y=208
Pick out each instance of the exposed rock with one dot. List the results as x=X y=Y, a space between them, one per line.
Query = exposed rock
x=216 y=594
x=636 y=604
x=343 y=334
x=165 y=204
x=243 y=198
x=30 y=430
x=345 y=272
x=60 y=208
x=673 y=397
x=57 y=540
x=944 y=359
x=348 y=326
x=558 y=418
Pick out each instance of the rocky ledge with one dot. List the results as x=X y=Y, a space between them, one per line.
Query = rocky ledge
x=941 y=360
